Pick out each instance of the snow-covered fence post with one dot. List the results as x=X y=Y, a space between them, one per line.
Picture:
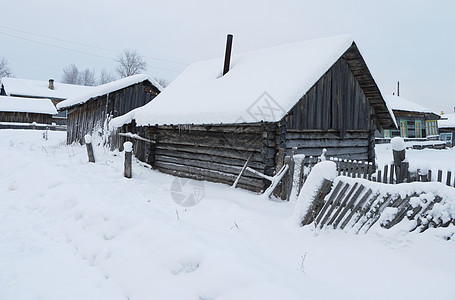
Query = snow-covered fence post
x=128 y=169
x=315 y=189
x=399 y=155
x=286 y=183
x=88 y=144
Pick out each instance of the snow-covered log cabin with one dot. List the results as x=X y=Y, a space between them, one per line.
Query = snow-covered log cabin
x=92 y=110
x=310 y=95
x=56 y=91
x=414 y=121
x=23 y=112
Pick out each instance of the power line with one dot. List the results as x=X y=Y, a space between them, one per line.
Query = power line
x=78 y=51
x=87 y=45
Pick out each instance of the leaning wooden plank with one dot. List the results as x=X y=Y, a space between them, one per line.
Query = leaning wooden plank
x=368 y=211
x=403 y=208
x=342 y=204
x=356 y=208
x=377 y=213
x=241 y=172
x=269 y=178
x=318 y=202
x=334 y=205
x=349 y=206
x=135 y=136
x=275 y=180
x=329 y=201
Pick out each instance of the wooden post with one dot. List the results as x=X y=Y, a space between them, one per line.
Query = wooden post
x=88 y=144
x=286 y=183
x=386 y=170
x=399 y=154
x=429 y=176
x=128 y=169
x=405 y=171
x=439 y=176
x=449 y=176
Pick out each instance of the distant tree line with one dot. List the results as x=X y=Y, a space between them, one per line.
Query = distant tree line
x=129 y=62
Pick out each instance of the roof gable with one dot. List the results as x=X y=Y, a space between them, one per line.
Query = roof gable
x=200 y=95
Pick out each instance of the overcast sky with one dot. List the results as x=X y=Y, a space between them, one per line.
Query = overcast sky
x=409 y=41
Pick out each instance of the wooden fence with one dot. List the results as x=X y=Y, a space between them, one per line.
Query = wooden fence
x=354 y=206
x=388 y=174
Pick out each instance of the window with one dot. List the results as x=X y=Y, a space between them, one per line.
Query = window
x=387 y=133
x=403 y=128
x=418 y=129
x=431 y=127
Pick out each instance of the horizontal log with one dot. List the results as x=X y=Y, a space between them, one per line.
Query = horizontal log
x=234 y=170
x=228 y=153
x=238 y=142
x=210 y=175
x=314 y=135
x=327 y=143
x=211 y=158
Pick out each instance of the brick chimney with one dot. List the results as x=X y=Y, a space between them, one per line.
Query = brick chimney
x=51 y=84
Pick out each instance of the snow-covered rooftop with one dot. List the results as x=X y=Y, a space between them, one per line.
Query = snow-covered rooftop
x=107 y=88
x=29 y=105
x=447 y=121
x=277 y=77
x=38 y=88
x=398 y=103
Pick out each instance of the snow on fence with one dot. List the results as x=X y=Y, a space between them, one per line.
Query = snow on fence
x=356 y=204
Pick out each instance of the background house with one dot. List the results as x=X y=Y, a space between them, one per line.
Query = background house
x=23 y=112
x=55 y=91
x=446 y=127
x=310 y=95
x=112 y=99
x=413 y=120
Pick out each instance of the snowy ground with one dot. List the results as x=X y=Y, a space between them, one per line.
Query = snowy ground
x=74 y=230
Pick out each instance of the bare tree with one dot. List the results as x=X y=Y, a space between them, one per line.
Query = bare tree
x=163 y=82
x=87 y=77
x=129 y=63
x=5 y=70
x=106 y=77
x=70 y=74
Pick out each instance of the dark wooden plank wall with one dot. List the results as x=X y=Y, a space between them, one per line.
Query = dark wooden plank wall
x=355 y=144
x=336 y=101
x=24 y=117
x=84 y=118
x=334 y=114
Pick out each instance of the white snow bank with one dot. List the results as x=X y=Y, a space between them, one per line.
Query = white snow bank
x=30 y=105
x=260 y=86
x=323 y=170
x=108 y=88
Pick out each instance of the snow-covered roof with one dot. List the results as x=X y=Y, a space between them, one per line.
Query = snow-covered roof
x=447 y=121
x=29 y=105
x=279 y=76
x=398 y=103
x=107 y=88
x=38 y=88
